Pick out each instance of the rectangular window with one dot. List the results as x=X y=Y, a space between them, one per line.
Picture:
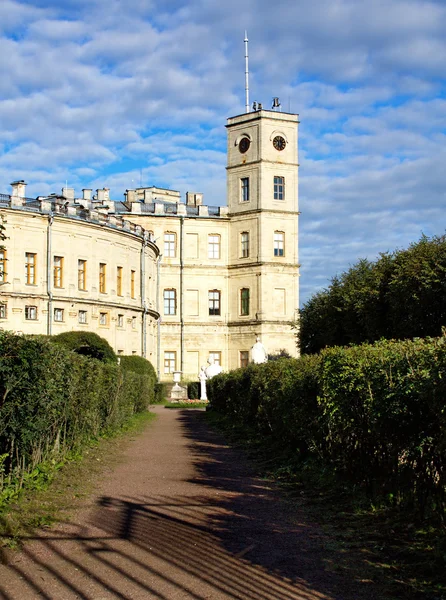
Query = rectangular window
x=82 y=316
x=244 y=358
x=213 y=246
x=120 y=320
x=132 y=284
x=58 y=315
x=102 y=277
x=170 y=360
x=244 y=301
x=245 y=244
x=119 y=281
x=279 y=243
x=279 y=188
x=2 y=266
x=3 y=310
x=30 y=268
x=58 y=271
x=133 y=322
x=170 y=302
x=82 y=274
x=169 y=245
x=216 y=356
x=244 y=182
x=103 y=318
x=31 y=313
x=214 y=302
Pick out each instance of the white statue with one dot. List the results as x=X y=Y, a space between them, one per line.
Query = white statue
x=258 y=352
x=202 y=377
x=212 y=369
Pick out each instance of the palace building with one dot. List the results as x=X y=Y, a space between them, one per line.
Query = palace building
x=174 y=281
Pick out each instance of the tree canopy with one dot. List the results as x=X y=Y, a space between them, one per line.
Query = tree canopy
x=400 y=295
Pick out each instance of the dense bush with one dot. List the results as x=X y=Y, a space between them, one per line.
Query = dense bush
x=375 y=414
x=401 y=295
x=160 y=392
x=143 y=374
x=87 y=343
x=53 y=401
x=193 y=390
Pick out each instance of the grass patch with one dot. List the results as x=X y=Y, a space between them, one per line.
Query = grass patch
x=400 y=556
x=187 y=404
x=65 y=485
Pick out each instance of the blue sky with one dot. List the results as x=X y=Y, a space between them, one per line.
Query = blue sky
x=112 y=92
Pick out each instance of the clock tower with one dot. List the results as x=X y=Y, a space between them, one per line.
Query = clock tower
x=262 y=189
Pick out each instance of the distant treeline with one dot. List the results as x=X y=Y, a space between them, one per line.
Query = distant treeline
x=401 y=295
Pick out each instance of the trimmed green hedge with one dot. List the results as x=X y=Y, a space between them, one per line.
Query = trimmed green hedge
x=88 y=344
x=53 y=400
x=145 y=375
x=375 y=414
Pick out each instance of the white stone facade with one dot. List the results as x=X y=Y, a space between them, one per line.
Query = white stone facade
x=172 y=281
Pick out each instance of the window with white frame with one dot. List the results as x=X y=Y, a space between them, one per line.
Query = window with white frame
x=216 y=356
x=169 y=244
x=31 y=313
x=133 y=322
x=58 y=315
x=279 y=188
x=3 y=310
x=214 y=302
x=244 y=239
x=279 y=243
x=213 y=246
x=120 y=320
x=82 y=316
x=170 y=302
x=244 y=189
x=170 y=360
x=103 y=318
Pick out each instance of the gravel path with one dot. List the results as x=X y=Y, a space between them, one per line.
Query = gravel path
x=181 y=517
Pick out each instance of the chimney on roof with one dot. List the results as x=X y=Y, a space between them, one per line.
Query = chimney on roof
x=194 y=199
x=18 y=188
x=86 y=194
x=68 y=193
x=103 y=195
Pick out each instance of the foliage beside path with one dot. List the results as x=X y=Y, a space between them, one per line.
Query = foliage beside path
x=54 y=400
x=375 y=415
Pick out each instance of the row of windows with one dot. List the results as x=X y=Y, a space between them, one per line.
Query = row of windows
x=170 y=359
x=170 y=245
x=31 y=314
x=278 y=244
x=59 y=274
x=279 y=188
x=214 y=302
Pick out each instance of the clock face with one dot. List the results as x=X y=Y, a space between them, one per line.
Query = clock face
x=244 y=145
x=279 y=143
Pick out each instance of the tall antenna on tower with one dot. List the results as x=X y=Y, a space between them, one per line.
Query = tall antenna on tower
x=246 y=74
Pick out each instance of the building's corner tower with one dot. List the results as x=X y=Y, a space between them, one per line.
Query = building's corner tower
x=262 y=180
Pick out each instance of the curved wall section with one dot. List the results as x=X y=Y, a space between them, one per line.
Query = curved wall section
x=66 y=273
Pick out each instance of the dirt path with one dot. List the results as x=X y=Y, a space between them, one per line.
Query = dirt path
x=182 y=516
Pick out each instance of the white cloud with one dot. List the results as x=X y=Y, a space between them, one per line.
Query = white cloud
x=94 y=92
